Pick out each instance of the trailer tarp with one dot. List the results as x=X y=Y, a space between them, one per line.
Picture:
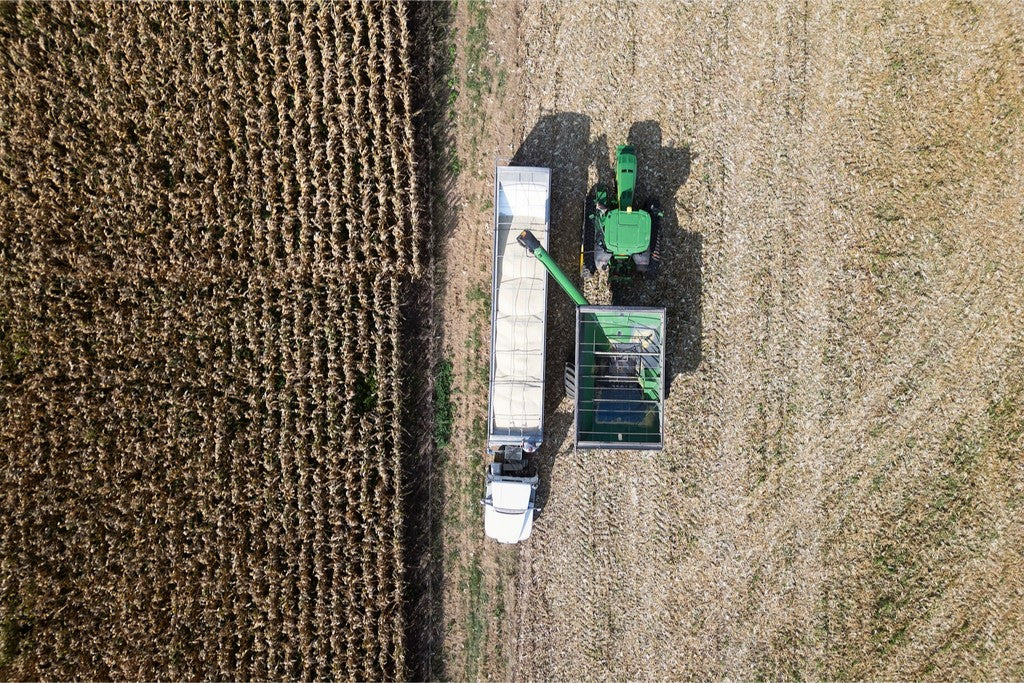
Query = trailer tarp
x=518 y=303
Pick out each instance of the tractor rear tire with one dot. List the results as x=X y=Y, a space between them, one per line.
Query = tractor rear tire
x=587 y=265
x=656 y=220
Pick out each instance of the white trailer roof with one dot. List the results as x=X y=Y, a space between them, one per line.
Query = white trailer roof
x=518 y=307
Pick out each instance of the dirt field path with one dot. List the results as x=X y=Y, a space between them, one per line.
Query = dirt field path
x=840 y=491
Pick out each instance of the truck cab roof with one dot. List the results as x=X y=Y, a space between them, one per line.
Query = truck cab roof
x=508 y=508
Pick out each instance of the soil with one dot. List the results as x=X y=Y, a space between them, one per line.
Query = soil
x=840 y=491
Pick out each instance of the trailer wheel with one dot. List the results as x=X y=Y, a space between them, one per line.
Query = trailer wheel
x=570 y=380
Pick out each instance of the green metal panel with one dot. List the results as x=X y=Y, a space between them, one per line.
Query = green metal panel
x=620 y=360
x=627 y=232
x=625 y=175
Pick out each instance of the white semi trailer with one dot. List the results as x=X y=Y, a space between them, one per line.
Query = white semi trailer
x=515 y=417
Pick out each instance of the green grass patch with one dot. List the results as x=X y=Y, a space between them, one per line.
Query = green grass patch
x=480 y=302
x=478 y=78
x=480 y=298
x=886 y=213
x=911 y=569
x=366 y=393
x=478 y=74
x=1006 y=417
x=478 y=434
x=444 y=406
x=478 y=369
x=13 y=350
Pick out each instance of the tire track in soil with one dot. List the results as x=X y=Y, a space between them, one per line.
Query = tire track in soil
x=610 y=543
x=714 y=558
x=586 y=499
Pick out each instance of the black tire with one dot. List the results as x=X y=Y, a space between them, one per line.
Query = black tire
x=587 y=265
x=569 y=377
x=656 y=220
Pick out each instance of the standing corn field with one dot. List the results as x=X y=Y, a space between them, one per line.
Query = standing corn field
x=207 y=222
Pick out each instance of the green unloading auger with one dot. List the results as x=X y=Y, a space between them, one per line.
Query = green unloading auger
x=532 y=244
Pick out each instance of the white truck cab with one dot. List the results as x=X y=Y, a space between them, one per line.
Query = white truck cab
x=509 y=505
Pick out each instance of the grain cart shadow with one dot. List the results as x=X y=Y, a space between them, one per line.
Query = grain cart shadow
x=661 y=172
x=559 y=142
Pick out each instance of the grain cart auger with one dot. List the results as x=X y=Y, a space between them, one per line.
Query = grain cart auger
x=617 y=377
x=620 y=234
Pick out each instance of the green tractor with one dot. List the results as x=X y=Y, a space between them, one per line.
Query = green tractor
x=618 y=236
